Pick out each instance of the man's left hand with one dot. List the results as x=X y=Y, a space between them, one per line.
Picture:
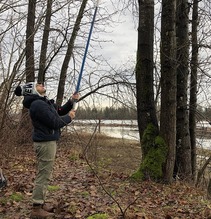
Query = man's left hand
x=76 y=96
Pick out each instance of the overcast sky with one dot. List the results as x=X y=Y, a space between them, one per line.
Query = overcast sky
x=119 y=44
x=124 y=42
x=123 y=39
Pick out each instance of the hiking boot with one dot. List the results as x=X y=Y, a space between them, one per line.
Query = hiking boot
x=47 y=207
x=39 y=213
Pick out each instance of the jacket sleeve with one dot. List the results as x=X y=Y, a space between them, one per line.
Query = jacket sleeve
x=63 y=110
x=47 y=115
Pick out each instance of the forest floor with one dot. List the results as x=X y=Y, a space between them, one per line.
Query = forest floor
x=97 y=186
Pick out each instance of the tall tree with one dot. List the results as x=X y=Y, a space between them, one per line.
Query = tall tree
x=44 y=46
x=183 y=146
x=30 y=32
x=168 y=84
x=144 y=67
x=193 y=86
x=153 y=148
x=63 y=74
x=30 y=67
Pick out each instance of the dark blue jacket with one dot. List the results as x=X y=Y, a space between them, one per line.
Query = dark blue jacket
x=47 y=118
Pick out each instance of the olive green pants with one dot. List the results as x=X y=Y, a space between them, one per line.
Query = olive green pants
x=45 y=153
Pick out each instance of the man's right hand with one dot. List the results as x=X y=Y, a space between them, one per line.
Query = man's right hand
x=72 y=114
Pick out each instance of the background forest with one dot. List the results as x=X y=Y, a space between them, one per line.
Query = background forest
x=204 y=114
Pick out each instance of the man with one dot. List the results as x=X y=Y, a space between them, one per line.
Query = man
x=47 y=119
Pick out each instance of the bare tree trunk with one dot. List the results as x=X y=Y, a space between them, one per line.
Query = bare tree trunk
x=183 y=146
x=41 y=73
x=30 y=31
x=30 y=68
x=6 y=89
x=63 y=74
x=144 y=67
x=168 y=84
x=193 y=87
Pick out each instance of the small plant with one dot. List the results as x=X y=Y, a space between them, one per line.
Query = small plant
x=74 y=157
x=16 y=197
x=72 y=209
x=98 y=216
x=53 y=188
x=3 y=201
x=85 y=194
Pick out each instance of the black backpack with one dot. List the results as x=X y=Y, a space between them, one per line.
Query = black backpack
x=3 y=181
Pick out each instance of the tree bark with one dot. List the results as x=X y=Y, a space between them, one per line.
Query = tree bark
x=193 y=87
x=144 y=68
x=63 y=74
x=30 y=31
x=168 y=84
x=183 y=146
x=43 y=52
x=153 y=147
x=30 y=68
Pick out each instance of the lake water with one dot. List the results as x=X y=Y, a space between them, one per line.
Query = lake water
x=126 y=129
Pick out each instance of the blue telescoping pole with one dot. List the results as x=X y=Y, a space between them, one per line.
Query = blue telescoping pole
x=85 y=53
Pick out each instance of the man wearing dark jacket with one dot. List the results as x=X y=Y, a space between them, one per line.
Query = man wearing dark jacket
x=47 y=120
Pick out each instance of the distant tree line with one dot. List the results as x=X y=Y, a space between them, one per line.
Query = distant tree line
x=127 y=113
x=106 y=113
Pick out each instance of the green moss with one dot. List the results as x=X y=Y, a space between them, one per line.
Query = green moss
x=98 y=216
x=154 y=156
x=137 y=176
x=148 y=138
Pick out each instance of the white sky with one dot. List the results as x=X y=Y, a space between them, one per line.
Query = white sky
x=124 y=42
x=119 y=43
x=123 y=39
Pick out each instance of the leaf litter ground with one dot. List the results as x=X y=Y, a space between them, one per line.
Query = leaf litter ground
x=97 y=184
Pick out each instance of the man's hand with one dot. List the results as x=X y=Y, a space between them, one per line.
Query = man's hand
x=76 y=96
x=72 y=114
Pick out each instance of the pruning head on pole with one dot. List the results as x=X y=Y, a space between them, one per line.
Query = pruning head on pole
x=86 y=49
x=97 y=3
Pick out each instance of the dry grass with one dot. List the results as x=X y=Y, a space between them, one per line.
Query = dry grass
x=112 y=154
x=119 y=155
